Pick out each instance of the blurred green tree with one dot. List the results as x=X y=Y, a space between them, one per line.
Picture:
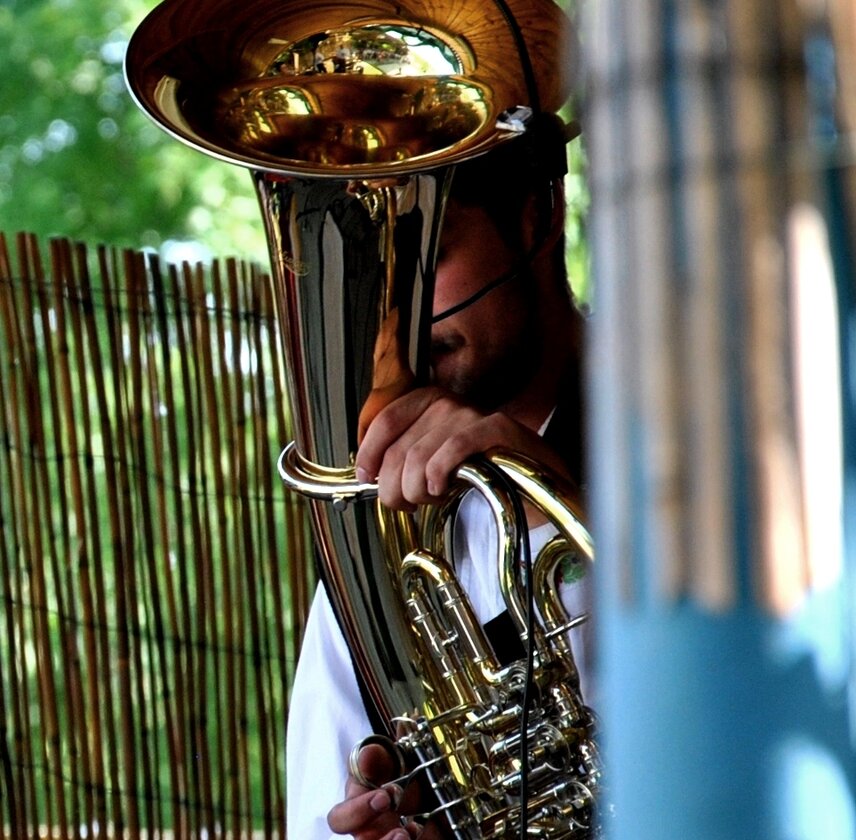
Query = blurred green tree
x=77 y=157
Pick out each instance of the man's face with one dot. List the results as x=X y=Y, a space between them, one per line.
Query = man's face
x=487 y=351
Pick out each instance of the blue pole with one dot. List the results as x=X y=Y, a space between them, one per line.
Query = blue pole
x=726 y=637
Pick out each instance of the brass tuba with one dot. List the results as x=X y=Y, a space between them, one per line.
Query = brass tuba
x=350 y=116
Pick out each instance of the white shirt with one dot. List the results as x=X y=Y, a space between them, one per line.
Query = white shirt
x=327 y=716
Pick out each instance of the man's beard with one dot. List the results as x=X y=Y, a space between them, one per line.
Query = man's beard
x=494 y=382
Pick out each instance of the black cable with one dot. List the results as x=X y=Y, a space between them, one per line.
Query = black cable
x=524 y=549
x=521 y=265
x=524 y=552
x=523 y=54
x=512 y=274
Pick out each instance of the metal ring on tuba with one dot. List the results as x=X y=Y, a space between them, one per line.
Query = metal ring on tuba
x=351 y=115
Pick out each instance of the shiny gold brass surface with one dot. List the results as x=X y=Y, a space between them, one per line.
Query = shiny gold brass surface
x=470 y=719
x=365 y=86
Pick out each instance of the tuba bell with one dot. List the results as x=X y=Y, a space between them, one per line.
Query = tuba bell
x=351 y=116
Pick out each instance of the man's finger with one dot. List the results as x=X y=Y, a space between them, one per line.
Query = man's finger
x=377 y=764
x=387 y=427
x=366 y=810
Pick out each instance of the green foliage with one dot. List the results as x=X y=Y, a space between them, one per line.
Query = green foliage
x=78 y=158
x=577 y=205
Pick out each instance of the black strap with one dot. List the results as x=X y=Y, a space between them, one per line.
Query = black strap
x=504 y=638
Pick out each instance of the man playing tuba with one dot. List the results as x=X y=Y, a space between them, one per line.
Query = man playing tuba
x=505 y=371
x=441 y=647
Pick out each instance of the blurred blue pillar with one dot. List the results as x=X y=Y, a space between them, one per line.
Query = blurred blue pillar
x=722 y=423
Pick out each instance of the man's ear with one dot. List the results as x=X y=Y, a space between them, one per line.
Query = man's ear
x=544 y=219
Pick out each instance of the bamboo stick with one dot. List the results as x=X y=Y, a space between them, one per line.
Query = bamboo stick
x=135 y=279
x=218 y=391
x=187 y=561
x=89 y=562
x=120 y=506
x=264 y=469
x=65 y=434
x=12 y=758
x=208 y=625
x=243 y=631
x=24 y=728
x=168 y=455
x=101 y=361
x=254 y=589
x=35 y=552
x=154 y=339
x=45 y=413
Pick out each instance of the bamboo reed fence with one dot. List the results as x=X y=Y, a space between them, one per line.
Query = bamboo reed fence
x=154 y=573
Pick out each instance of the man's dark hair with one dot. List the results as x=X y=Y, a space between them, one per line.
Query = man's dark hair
x=503 y=181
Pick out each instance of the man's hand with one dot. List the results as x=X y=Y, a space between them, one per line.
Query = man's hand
x=375 y=813
x=415 y=444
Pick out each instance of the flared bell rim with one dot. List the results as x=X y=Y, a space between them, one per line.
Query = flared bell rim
x=190 y=62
